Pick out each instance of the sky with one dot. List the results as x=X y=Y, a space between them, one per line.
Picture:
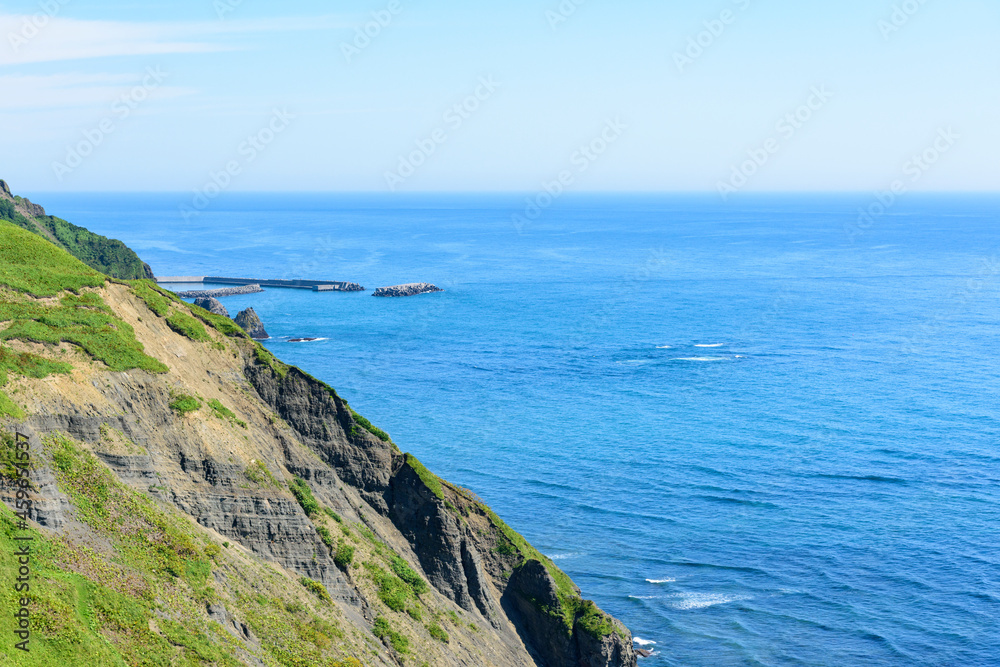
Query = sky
x=520 y=95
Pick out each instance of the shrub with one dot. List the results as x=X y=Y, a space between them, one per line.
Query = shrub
x=438 y=633
x=303 y=494
x=258 y=473
x=407 y=574
x=383 y=630
x=324 y=534
x=344 y=557
x=333 y=515
x=392 y=590
x=185 y=404
x=316 y=588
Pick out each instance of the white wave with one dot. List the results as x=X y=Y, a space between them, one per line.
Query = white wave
x=661 y=581
x=645 y=597
x=700 y=359
x=701 y=600
x=314 y=340
x=563 y=556
x=664 y=347
x=712 y=345
x=643 y=642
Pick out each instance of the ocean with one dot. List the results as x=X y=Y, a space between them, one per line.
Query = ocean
x=762 y=432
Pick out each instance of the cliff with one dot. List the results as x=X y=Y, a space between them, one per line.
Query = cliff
x=197 y=501
x=109 y=256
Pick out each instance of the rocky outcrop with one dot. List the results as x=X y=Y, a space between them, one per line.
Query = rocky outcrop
x=222 y=292
x=410 y=289
x=250 y=322
x=211 y=305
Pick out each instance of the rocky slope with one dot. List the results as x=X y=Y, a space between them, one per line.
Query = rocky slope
x=198 y=502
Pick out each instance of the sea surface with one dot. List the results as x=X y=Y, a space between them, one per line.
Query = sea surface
x=757 y=432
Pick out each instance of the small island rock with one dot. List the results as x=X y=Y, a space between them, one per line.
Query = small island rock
x=213 y=306
x=410 y=289
x=250 y=322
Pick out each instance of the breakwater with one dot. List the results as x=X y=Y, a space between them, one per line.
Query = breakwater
x=314 y=285
x=219 y=293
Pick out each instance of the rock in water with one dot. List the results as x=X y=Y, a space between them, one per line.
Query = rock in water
x=410 y=289
x=250 y=322
x=212 y=305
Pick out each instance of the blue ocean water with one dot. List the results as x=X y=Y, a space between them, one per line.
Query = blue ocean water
x=758 y=433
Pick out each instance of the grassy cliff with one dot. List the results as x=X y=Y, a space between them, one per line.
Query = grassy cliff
x=198 y=502
x=109 y=256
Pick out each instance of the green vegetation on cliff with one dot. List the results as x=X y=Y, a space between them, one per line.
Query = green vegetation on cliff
x=141 y=599
x=108 y=256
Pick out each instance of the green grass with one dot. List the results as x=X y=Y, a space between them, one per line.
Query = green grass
x=30 y=264
x=184 y=404
x=108 y=256
x=28 y=365
x=158 y=303
x=96 y=608
x=383 y=630
x=221 y=324
x=429 y=479
x=368 y=426
x=83 y=322
x=304 y=495
x=333 y=515
x=186 y=325
x=224 y=413
x=265 y=358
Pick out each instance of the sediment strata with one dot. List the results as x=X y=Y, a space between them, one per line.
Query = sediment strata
x=410 y=289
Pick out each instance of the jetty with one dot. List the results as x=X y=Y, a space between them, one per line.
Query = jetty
x=314 y=285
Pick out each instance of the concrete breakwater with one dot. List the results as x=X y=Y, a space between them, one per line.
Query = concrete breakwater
x=314 y=285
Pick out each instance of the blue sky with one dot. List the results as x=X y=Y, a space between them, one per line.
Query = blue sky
x=557 y=74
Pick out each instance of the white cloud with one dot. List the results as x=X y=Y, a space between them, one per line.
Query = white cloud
x=38 y=39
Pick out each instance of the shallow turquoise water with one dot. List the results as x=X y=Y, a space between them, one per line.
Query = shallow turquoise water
x=754 y=440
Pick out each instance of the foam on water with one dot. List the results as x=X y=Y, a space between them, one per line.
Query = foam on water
x=686 y=601
x=661 y=581
x=643 y=642
x=711 y=345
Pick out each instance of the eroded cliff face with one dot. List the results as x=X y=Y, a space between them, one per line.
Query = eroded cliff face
x=277 y=469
